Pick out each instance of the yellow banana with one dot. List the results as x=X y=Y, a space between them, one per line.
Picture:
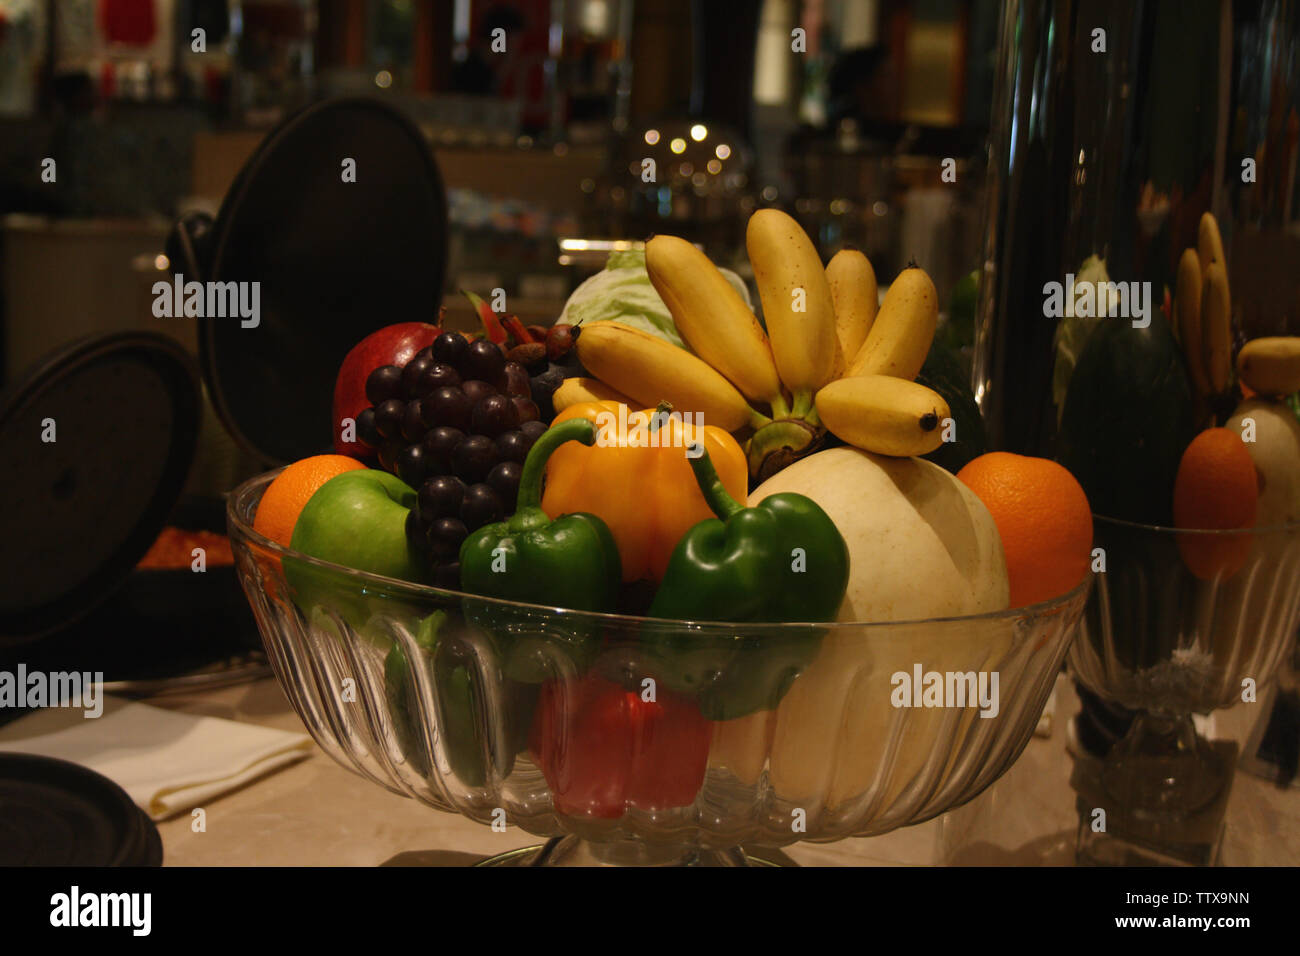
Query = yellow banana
x=1271 y=366
x=1216 y=327
x=1187 y=318
x=884 y=414
x=903 y=331
x=713 y=318
x=796 y=303
x=651 y=370
x=578 y=389
x=1209 y=244
x=855 y=297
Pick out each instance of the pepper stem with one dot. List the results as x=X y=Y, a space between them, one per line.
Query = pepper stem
x=711 y=486
x=530 y=479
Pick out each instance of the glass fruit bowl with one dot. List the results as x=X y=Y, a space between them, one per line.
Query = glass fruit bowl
x=631 y=739
x=1182 y=623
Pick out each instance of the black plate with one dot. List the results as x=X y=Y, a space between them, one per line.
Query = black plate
x=56 y=813
x=335 y=260
x=78 y=513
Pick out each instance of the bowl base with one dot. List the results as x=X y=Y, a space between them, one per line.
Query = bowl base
x=1160 y=819
x=572 y=851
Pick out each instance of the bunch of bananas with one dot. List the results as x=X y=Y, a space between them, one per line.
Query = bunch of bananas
x=828 y=360
x=1202 y=308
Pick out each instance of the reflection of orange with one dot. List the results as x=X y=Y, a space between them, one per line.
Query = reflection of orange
x=1043 y=519
x=283 y=500
x=1217 y=489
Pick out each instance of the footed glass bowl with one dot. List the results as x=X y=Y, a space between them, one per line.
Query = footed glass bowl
x=630 y=739
x=1181 y=623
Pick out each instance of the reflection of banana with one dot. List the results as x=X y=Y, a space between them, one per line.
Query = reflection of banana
x=712 y=317
x=578 y=389
x=1216 y=327
x=903 y=330
x=856 y=298
x=796 y=303
x=1187 y=317
x=1209 y=244
x=885 y=415
x=1271 y=365
x=651 y=370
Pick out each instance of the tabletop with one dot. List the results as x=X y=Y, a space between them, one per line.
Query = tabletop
x=316 y=813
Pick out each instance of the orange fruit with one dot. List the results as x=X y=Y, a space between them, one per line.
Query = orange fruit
x=283 y=500
x=1216 y=488
x=1043 y=519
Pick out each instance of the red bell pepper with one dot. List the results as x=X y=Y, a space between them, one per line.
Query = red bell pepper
x=603 y=749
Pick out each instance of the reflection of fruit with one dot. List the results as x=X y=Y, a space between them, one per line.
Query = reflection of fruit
x=1126 y=379
x=900 y=337
x=1187 y=318
x=391 y=345
x=712 y=318
x=1209 y=244
x=856 y=298
x=1215 y=489
x=797 y=304
x=1043 y=519
x=285 y=497
x=883 y=414
x=1276 y=454
x=1270 y=366
x=1216 y=327
x=651 y=370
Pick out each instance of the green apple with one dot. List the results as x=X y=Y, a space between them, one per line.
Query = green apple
x=356 y=519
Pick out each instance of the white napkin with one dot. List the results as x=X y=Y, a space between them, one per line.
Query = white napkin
x=168 y=762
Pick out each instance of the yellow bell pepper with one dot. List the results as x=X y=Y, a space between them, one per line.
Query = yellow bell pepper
x=638 y=479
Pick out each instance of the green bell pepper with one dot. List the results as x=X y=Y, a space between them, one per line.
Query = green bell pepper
x=571 y=562
x=780 y=561
x=462 y=707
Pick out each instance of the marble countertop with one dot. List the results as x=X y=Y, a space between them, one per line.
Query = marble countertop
x=315 y=813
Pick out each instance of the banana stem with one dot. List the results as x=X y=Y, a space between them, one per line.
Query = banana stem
x=812 y=418
x=779 y=407
x=803 y=399
x=757 y=419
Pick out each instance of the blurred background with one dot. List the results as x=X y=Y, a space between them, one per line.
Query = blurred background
x=151 y=107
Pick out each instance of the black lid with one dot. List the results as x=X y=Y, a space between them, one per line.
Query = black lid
x=335 y=260
x=80 y=511
x=58 y=813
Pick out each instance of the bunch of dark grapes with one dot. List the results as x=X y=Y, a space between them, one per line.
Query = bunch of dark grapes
x=456 y=424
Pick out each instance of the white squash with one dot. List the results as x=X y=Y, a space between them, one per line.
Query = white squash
x=921 y=545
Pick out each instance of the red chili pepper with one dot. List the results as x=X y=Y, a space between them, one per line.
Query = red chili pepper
x=603 y=749
x=521 y=334
x=491 y=324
